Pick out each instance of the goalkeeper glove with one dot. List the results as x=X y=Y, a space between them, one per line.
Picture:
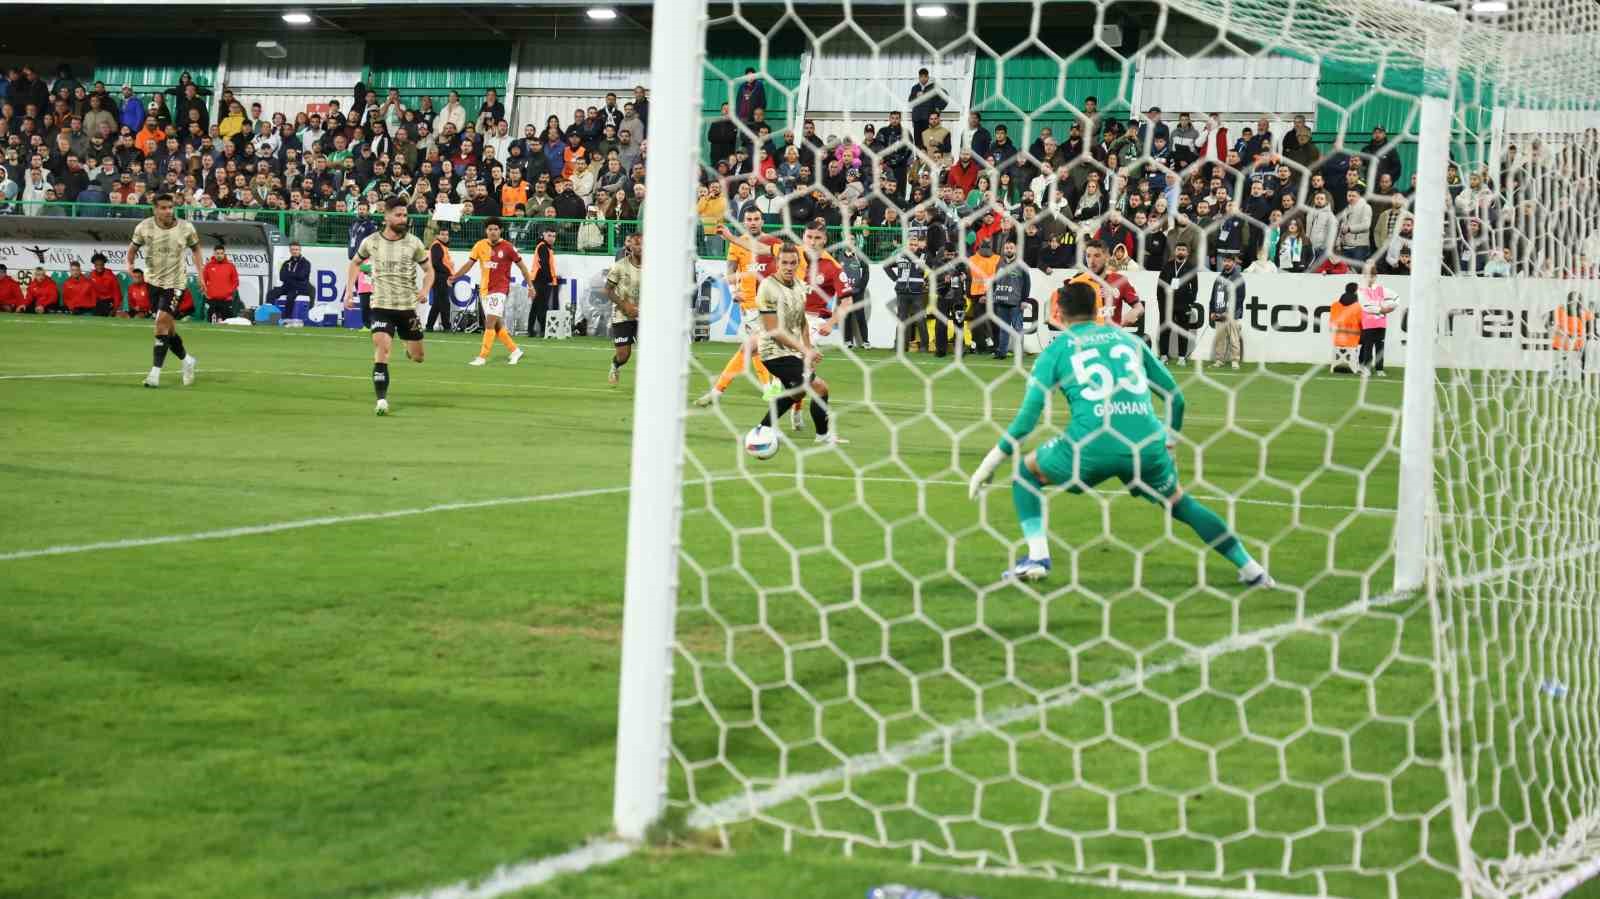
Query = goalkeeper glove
x=985 y=472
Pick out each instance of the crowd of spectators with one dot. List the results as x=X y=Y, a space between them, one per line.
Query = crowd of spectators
x=67 y=141
x=1270 y=196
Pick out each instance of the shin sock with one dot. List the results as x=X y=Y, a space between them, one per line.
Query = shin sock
x=736 y=365
x=160 y=352
x=488 y=342
x=819 y=415
x=380 y=379
x=1210 y=527
x=175 y=343
x=1027 y=494
x=780 y=406
x=505 y=338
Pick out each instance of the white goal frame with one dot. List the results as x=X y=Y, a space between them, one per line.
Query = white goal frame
x=655 y=496
x=656 y=502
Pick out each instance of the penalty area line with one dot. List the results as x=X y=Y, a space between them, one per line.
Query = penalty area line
x=301 y=523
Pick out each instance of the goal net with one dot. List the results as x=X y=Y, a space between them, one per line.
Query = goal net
x=1362 y=236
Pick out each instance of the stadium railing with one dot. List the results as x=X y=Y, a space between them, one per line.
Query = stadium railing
x=332 y=229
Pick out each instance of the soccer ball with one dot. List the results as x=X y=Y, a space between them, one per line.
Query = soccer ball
x=761 y=442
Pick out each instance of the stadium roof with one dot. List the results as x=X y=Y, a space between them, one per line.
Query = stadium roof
x=27 y=22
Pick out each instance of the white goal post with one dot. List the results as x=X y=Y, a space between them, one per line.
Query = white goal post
x=656 y=495
x=816 y=652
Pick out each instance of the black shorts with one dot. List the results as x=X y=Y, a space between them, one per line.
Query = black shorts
x=790 y=371
x=401 y=323
x=165 y=299
x=625 y=333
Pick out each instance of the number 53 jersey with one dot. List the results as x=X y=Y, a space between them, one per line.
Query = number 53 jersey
x=1110 y=379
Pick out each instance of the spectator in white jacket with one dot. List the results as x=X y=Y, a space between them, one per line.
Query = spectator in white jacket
x=1355 y=228
x=1051 y=189
x=453 y=113
x=500 y=140
x=1205 y=144
x=771 y=203
x=35 y=190
x=1322 y=227
x=1477 y=200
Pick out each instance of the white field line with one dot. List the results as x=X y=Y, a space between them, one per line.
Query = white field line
x=512 y=878
x=74 y=374
x=299 y=523
x=941 y=408
x=714 y=350
x=329 y=520
x=1216 y=497
x=1568 y=881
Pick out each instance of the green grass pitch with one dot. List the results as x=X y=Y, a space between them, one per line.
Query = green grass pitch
x=377 y=706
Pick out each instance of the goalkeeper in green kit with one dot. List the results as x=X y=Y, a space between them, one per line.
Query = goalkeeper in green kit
x=1107 y=375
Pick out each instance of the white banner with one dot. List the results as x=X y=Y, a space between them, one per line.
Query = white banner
x=27 y=242
x=1484 y=322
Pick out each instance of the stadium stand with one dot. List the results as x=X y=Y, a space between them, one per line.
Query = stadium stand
x=979 y=153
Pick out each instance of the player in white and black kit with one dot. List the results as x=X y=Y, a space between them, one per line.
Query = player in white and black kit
x=786 y=347
x=164 y=238
x=395 y=254
x=624 y=281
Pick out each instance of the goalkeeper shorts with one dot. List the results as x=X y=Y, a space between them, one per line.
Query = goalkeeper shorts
x=1149 y=473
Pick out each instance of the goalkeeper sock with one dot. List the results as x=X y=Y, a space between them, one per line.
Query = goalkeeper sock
x=505 y=338
x=380 y=379
x=1211 y=528
x=1027 y=494
x=488 y=342
x=762 y=375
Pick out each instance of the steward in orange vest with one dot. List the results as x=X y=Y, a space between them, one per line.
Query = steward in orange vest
x=1570 y=326
x=1344 y=321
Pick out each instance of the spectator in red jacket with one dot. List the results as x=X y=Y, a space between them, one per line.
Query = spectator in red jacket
x=963 y=176
x=43 y=295
x=107 y=289
x=77 y=294
x=1331 y=265
x=221 y=282
x=138 y=295
x=11 y=293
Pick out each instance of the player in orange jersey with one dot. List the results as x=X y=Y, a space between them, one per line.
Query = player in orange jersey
x=495 y=258
x=751 y=258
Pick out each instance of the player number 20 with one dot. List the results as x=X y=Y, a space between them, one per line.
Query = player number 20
x=1089 y=370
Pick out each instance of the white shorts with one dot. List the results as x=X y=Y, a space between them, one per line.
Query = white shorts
x=494 y=304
